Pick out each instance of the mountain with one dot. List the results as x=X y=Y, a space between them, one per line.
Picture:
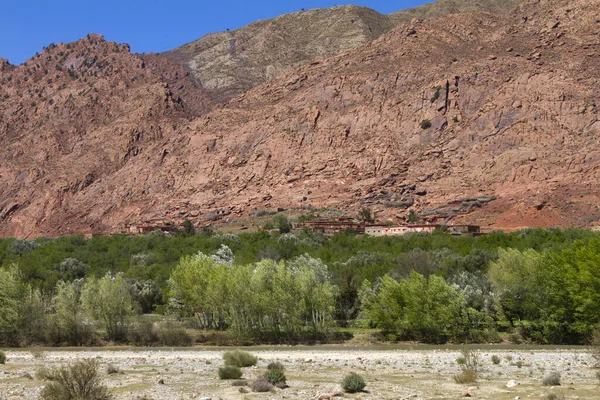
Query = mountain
x=230 y=63
x=442 y=8
x=476 y=118
x=74 y=116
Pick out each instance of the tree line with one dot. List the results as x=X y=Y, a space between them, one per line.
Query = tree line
x=537 y=285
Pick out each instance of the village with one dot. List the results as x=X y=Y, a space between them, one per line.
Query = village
x=330 y=227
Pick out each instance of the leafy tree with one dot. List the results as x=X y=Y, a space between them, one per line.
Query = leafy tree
x=188 y=228
x=11 y=299
x=419 y=308
x=366 y=215
x=107 y=301
x=281 y=222
x=71 y=322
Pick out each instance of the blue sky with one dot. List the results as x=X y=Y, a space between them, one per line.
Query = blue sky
x=26 y=26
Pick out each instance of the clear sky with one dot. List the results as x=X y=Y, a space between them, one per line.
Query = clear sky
x=26 y=26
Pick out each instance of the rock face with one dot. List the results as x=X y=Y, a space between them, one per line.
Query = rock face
x=74 y=116
x=511 y=105
x=233 y=62
x=441 y=8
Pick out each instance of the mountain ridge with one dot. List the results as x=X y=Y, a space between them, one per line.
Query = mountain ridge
x=232 y=62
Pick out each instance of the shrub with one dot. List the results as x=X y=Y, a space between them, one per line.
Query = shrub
x=468 y=365
x=239 y=358
x=436 y=94
x=239 y=382
x=552 y=379
x=77 y=381
x=261 y=385
x=495 y=359
x=42 y=372
x=425 y=124
x=113 y=369
x=142 y=333
x=466 y=376
x=353 y=383
x=275 y=365
x=275 y=376
x=173 y=334
x=2 y=357
x=230 y=372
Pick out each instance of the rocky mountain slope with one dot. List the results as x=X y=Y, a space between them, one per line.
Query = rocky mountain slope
x=230 y=63
x=441 y=8
x=474 y=118
x=71 y=118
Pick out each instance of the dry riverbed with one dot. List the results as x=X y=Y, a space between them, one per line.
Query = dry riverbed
x=390 y=373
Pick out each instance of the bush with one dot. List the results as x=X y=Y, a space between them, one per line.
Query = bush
x=230 y=372
x=552 y=379
x=275 y=365
x=113 y=369
x=275 y=376
x=425 y=124
x=173 y=334
x=239 y=358
x=495 y=359
x=261 y=385
x=2 y=357
x=468 y=365
x=466 y=376
x=142 y=333
x=240 y=382
x=353 y=383
x=77 y=381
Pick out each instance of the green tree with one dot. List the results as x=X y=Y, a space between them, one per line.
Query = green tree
x=188 y=228
x=422 y=308
x=107 y=301
x=199 y=283
x=71 y=322
x=11 y=299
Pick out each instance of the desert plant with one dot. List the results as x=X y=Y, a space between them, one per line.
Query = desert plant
x=353 y=383
x=275 y=365
x=239 y=358
x=77 y=381
x=495 y=359
x=436 y=94
x=112 y=369
x=425 y=124
x=552 y=379
x=469 y=364
x=261 y=385
x=42 y=372
x=275 y=376
x=466 y=376
x=239 y=382
x=2 y=357
x=230 y=372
